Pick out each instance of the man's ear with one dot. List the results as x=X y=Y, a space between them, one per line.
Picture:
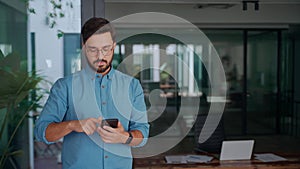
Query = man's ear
x=114 y=44
x=83 y=46
x=83 y=49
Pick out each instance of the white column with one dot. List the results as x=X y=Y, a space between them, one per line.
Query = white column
x=30 y=120
x=191 y=84
x=156 y=63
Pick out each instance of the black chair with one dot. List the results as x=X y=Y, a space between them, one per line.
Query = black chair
x=214 y=142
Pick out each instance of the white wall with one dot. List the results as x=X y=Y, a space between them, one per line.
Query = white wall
x=48 y=48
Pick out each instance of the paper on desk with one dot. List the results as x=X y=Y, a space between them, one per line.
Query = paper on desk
x=269 y=157
x=198 y=158
x=180 y=159
x=176 y=159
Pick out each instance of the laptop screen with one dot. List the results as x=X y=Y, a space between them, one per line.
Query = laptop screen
x=237 y=150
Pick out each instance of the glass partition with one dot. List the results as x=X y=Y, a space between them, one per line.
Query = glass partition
x=165 y=81
x=72 y=49
x=262 y=53
x=255 y=115
x=229 y=45
x=13 y=39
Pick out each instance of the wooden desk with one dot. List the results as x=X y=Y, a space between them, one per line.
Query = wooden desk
x=158 y=162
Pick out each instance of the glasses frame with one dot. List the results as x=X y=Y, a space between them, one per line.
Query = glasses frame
x=95 y=51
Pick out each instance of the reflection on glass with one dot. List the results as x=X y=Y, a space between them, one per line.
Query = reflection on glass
x=5 y=49
x=229 y=45
x=261 y=81
x=72 y=60
x=287 y=122
x=158 y=80
x=254 y=115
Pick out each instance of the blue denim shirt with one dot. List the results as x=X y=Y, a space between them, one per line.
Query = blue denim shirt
x=79 y=150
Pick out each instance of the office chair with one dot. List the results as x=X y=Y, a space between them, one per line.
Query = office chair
x=214 y=142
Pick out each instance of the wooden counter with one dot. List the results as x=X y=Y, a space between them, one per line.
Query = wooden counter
x=158 y=162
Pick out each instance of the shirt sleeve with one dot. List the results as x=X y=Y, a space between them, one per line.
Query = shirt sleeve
x=54 y=110
x=139 y=120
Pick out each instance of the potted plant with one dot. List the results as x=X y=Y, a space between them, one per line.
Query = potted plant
x=19 y=95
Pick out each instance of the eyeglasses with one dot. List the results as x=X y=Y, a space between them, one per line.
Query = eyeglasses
x=105 y=51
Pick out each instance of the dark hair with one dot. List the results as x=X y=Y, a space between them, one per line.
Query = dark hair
x=97 y=26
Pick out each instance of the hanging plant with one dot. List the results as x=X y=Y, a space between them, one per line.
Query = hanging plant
x=58 y=10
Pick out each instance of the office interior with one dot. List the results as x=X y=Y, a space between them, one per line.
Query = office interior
x=257 y=43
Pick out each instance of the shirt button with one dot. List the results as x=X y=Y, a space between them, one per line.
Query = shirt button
x=103 y=103
x=105 y=156
x=103 y=86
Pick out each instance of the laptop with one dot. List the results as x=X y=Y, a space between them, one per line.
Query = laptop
x=237 y=150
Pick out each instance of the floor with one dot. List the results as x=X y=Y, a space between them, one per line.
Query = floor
x=46 y=163
x=46 y=158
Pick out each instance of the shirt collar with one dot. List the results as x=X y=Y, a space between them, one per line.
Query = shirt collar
x=93 y=75
x=110 y=73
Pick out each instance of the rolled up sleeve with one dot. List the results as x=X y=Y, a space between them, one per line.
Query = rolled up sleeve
x=139 y=119
x=54 y=110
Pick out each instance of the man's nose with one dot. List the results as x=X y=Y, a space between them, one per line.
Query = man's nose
x=100 y=55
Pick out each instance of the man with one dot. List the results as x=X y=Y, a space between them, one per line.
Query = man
x=77 y=105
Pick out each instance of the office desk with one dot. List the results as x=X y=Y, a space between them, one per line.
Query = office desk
x=158 y=162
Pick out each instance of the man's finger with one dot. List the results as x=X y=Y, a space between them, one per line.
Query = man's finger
x=96 y=121
x=101 y=131
x=99 y=119
x=104 y=135
x=87 y=130
x=110 y=129
x=119 y=124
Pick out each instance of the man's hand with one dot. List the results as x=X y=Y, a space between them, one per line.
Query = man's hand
x=88 y=126
x=113 y=135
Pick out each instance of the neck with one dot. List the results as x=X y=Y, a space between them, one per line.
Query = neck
x=106 y=72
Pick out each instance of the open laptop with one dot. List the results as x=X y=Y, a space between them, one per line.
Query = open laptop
x=237 y=150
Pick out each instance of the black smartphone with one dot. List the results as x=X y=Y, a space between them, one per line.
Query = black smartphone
x=110 y=122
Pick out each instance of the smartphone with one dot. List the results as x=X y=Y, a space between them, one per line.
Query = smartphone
x=110 y=122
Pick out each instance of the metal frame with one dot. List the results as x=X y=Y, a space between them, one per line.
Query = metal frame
x=92 y=8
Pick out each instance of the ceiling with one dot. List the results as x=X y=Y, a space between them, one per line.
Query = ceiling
x=206 y=1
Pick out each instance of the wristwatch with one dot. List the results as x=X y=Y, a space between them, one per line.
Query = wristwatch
x=128 y=141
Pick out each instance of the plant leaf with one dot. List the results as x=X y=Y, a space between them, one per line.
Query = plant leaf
x=60 y=34
x=1 y=55
x=11 y=61
x=14 y=153
x=61 y=15
x=31 y=10
x=21 y=96
x=53 y=23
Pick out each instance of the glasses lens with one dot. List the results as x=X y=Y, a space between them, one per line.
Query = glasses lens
x=106 y=50
x=92 y=51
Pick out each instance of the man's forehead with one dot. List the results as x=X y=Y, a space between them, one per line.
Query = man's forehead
x=105 y=35
x=100 y=39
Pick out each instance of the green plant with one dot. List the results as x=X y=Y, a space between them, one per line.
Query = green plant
x=58 y=10
x=19 y=94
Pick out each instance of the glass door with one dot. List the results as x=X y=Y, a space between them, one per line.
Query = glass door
x=229 y=45
x=262 y=52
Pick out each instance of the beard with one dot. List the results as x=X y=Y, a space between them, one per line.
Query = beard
x=102 y=68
